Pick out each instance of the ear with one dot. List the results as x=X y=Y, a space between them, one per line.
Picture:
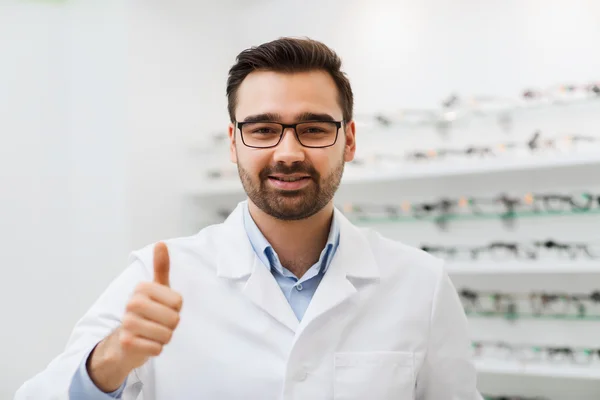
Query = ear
x=350 y=144
x=232 y=149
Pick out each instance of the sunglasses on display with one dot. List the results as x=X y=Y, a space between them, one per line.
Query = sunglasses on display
x=534 y=304
x=533 y=353
x=500 y=251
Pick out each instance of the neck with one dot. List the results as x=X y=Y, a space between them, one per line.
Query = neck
x=298 y=244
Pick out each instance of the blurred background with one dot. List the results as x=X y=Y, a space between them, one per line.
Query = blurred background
x=478 y=140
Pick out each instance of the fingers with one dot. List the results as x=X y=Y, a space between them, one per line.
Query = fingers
x=147 y=308
x=136 y=344
x=140 y=327
x=161 y=294
x=161 y=264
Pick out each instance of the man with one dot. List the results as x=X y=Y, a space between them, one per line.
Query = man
x=286 y=299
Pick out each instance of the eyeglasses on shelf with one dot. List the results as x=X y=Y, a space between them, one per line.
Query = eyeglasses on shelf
x=501 y=251
x=502 y=206
x=531 y=353
x=531 y=305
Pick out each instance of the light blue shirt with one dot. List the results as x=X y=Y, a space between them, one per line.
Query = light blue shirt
x=298 y=293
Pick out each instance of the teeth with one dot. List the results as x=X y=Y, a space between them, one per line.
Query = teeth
x=289 y=179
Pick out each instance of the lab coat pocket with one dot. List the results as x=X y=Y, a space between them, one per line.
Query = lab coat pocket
x=382 y=375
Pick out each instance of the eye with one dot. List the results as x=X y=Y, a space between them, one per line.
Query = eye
x=263 y=130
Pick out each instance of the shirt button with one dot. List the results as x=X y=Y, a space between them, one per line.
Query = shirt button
x=299 y=287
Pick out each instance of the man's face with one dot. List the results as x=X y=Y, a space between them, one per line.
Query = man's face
x=315 y=172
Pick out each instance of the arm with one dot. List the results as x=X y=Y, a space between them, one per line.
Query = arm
x=447 y=371
x=100 y=320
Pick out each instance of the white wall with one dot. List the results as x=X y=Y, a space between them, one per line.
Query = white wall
x=35 y=223
x=64 y=228
x=408 y=53
x=180 y=52
x=98 y=102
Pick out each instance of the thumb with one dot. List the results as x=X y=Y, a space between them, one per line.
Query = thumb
x=161 y=264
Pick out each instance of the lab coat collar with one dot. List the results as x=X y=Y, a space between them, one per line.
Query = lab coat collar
x=353 y=260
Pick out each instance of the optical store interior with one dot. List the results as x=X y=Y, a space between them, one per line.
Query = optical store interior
x=478 y=141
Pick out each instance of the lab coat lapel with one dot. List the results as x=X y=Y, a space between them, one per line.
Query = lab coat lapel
x=263 y=290
x=238 y=262
x=352 y=268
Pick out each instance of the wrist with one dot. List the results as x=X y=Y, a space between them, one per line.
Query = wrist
x=105 y=366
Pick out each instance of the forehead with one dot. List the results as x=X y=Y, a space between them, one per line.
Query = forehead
x=287 y=94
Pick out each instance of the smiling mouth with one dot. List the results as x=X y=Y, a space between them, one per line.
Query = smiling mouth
x=289 y=178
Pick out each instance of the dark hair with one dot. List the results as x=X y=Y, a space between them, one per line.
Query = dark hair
x=289 y=55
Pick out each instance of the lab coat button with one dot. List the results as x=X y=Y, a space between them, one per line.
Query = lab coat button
x=301 y=375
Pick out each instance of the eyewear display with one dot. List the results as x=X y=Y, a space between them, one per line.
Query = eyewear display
x=535 y=303
x=536 y=143
x=503 y=206
x=562 y=93
x=499 y=250
x=504 y=397
x=455 y=108
x=532 y=353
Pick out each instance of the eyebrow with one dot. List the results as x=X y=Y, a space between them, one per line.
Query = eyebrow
x=274 y=117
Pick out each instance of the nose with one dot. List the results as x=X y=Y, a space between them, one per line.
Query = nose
x=289 y=150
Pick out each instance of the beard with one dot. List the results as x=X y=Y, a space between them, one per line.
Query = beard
x=291 y=205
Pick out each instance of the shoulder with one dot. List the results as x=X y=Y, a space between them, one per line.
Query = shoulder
x=184 y=248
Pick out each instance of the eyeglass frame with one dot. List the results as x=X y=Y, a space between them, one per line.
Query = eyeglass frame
x=338 y=125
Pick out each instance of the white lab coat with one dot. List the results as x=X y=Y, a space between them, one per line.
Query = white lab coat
x=384 y=323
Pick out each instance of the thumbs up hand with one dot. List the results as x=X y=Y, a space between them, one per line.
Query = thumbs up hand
x=151 y=316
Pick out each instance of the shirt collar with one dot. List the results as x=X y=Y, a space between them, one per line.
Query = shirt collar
x=265 y=252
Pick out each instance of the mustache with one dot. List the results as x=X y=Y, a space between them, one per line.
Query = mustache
x=295 y=168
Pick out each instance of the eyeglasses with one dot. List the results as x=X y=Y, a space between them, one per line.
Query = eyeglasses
x=533 y=353
x=312 y=134
x=503 y=206
x=534 y=304
x=498 y=250
x=504 y=397
x=535 y=144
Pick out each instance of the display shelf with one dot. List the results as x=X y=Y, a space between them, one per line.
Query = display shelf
x=433 y=117
x=521 y=267
x=530 y=316
x=441 y=169
x=558 y=370
x=404 y=172
x=468 y=217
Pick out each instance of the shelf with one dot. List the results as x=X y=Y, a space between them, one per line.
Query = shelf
x=433 y=117
x=520 y=267
x=361 y=176
x=500 y=367
x=440 y=169
x=469 y=217
x=524 y=316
